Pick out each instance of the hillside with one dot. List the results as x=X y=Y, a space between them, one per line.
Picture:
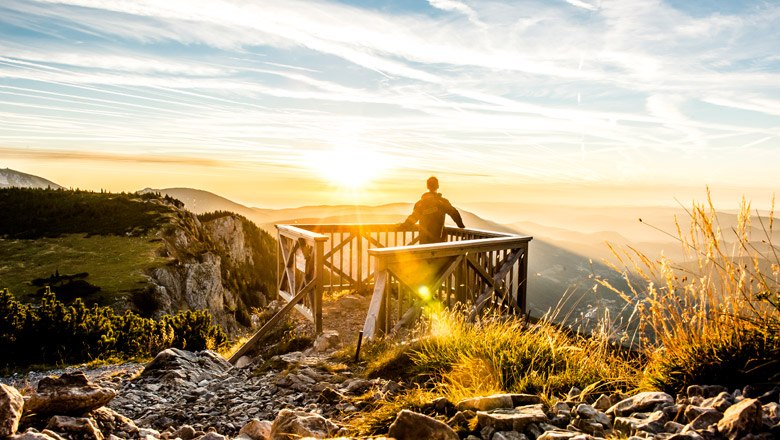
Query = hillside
x=129 y=251
x=10 y=178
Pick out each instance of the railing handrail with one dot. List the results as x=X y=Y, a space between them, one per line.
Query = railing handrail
x=297 y=231
x=451 y=248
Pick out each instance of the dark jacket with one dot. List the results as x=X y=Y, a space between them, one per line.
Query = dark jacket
x=430 y=211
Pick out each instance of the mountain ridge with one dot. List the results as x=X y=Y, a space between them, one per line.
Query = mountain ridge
x=16 y=179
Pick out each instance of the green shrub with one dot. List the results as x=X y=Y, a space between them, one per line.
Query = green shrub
x=53 y=332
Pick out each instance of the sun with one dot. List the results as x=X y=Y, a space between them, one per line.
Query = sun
x=350 y=167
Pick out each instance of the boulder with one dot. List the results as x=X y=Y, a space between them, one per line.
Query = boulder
x=560 y=435
x=244 y=362
x=11 y=406
x=111 y=422
x=212 y=436
x=75 y=427
x=69 y=394
x=516 y=419
x=257 y=429
x=706 y=419
x=741 y=419
x=410 y=425
x=290 y=424
x=185 y=364
x=642 y=402
x=602 y=403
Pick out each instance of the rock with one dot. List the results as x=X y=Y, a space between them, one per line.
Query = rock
x=589 y=426
x=357 y=386
x=770 y=396
x=585 y=411
x=721 y=402
x=11 y=406
x=185 y=432
x=602 y=403
x=244 y=362
x=486 y=403
x=692 y=435
x=695 y=390
x=509 y=435
x=185 y=364
x=71 y=393
x=573 y=393
x=327 y=340
x=32 y=435
x=460 y=421
x=771 y=413
x=330 y=396
x=709 y=391
x=642 y=402
x=706 y=419
x=290 y=424
x=410 y=425
x=673 y=427
x=110 y=422
x=741 y=419
x=440 y=405
x=212 y=436
x=653 y=423
x=257 y=429
x=559 y=435
x=512 y=419
x=78 y=427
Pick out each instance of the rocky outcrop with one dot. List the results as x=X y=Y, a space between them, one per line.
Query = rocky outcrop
x=292 y=425
x=221 y=265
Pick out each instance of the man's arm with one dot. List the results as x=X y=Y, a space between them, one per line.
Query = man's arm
x=452 y=212
x=413 y=217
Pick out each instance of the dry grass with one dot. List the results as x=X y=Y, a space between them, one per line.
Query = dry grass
x=715 y=317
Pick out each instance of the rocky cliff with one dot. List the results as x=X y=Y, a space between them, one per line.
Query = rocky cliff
x=220 y=262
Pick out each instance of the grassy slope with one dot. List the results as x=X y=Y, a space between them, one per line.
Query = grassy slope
x=114 y=263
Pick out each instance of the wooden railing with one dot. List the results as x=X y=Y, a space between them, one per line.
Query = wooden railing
x=483 y=268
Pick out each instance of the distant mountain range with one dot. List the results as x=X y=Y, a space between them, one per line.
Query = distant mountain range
x=11 y=178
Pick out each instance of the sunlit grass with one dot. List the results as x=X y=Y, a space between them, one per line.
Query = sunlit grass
x=115 y=263
x=714 y=318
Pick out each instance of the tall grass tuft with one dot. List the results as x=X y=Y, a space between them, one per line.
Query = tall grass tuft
x=461 y=359
x=509 y=354
x=715 y=317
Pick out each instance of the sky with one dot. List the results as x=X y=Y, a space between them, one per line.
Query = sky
x=287 y=103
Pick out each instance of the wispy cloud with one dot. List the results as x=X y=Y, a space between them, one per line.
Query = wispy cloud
x=539 y=90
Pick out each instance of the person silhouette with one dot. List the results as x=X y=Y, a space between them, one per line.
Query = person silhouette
x=430 y=211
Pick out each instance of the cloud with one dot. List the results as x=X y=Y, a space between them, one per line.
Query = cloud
x=456 y=6
x=582 y=4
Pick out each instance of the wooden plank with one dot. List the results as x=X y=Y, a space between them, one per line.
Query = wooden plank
x=319 y=273
x=297 y=232
x=375 y=307
x=481 y=271
x=333 y=268
x=451 y=248
x=270 y=324
x=343 y=243
x=300 y=307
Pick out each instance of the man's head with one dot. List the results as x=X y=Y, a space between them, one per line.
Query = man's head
x=433 y=183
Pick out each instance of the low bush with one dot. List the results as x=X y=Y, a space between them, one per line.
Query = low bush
x=52 y=332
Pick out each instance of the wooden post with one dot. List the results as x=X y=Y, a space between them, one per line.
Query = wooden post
x=522 y=281
x=359 y=277
x=319 y=275
x=372 y=325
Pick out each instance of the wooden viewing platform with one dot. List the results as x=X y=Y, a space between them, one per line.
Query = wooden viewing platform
x=484 y=270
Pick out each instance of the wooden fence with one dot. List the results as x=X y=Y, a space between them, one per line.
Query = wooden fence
x=485 y=269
